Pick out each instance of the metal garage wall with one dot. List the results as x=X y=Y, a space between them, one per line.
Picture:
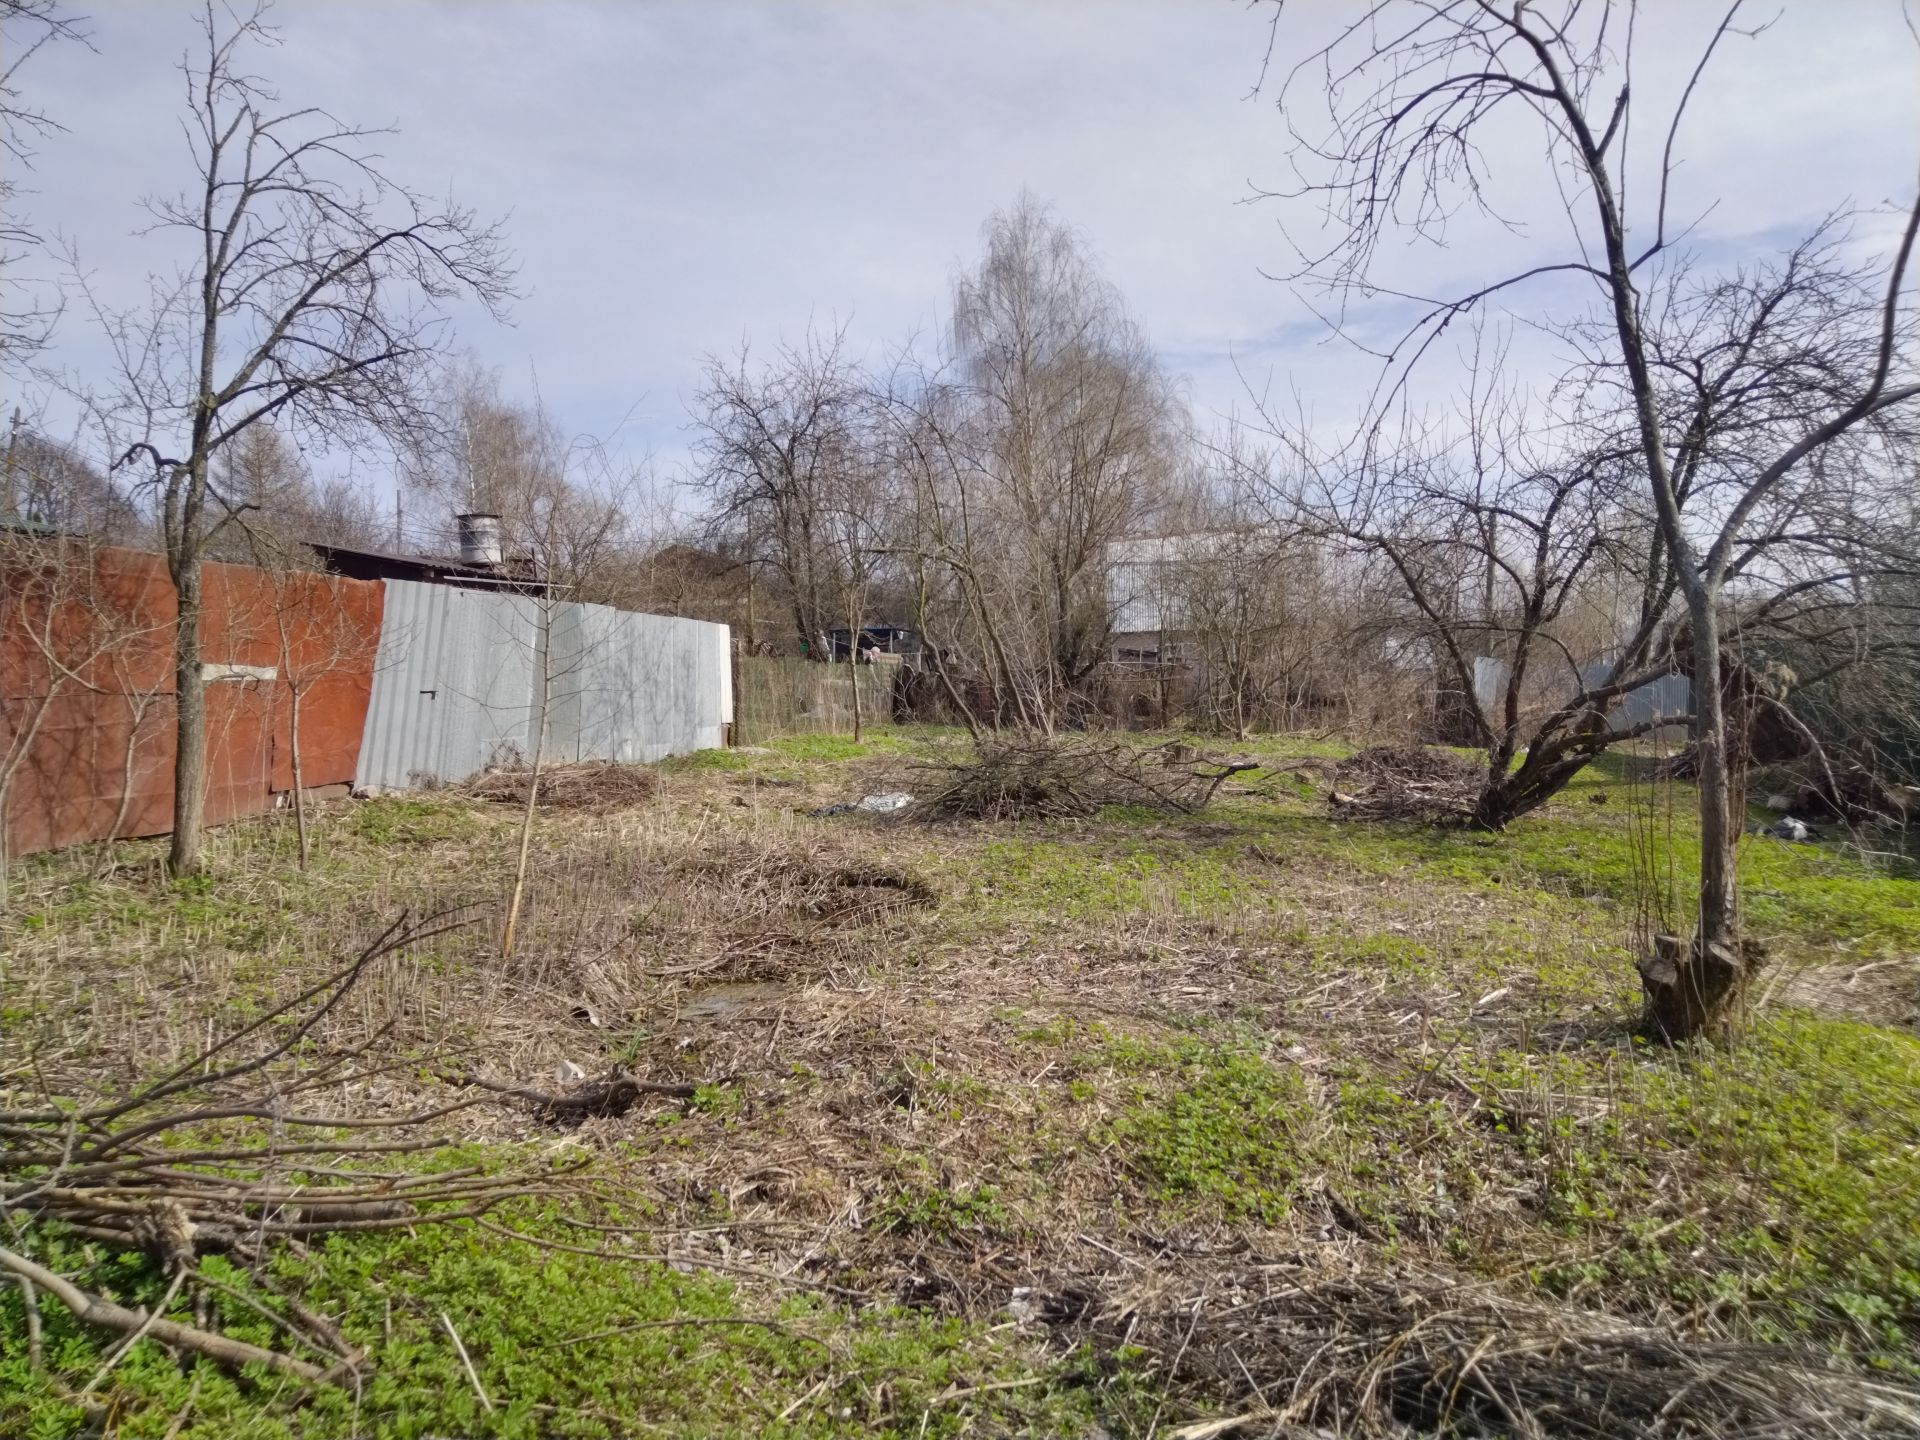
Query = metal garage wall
x=635 y=687
x=86 y=687
x=452 y=685
x=457 y=683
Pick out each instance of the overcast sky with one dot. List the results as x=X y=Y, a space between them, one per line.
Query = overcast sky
x=680 y=175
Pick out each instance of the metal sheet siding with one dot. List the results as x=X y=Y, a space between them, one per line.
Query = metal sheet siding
x=452 y=688
x=99 y=763
x=457 y=685
x=637 y=688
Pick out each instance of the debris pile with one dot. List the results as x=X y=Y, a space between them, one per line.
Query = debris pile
x=1385 y=1354
x=1405 y=782
x=891 y=802
x=1053 y=779
x=245 y=1145
x=593 y=787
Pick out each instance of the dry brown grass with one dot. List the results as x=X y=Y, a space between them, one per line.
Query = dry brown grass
x=595 y=786
x=909 y=1071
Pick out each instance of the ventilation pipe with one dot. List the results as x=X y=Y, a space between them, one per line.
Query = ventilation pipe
x=479 y=539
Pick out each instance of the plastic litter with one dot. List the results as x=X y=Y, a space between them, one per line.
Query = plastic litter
x=890 y=803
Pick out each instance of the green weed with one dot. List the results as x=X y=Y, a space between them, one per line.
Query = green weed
x=563 y=1345
x=411 y=820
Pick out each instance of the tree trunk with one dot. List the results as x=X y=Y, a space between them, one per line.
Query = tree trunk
x=510 y=927
x=190 y=722
x=1700 y=989
x=1507 y=794
x=1696 y=990
x=299 y=783
x=853 y=672
x=1718 y=833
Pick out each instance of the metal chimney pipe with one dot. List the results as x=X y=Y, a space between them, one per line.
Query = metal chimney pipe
x=479 y=538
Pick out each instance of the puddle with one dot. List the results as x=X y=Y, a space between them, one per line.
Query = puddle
x=716 y=1002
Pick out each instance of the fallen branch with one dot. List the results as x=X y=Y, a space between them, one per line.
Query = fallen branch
x=1037 y=778
x=200 y=1160
x=97 y=1310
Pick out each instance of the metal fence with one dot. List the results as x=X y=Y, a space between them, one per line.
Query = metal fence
x=457 y=685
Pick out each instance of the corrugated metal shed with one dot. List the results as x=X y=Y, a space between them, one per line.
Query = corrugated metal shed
x=457 y=685
x=1670 y=697
x=452 y=688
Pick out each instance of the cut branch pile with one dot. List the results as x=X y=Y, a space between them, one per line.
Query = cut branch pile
x=594 y=787
x=226 y=1154
x=1405 y=782
x=1037 y=778
x=1382 y=1355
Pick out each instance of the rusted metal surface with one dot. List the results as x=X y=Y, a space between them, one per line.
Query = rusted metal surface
x=394 y=682
x=86 y=688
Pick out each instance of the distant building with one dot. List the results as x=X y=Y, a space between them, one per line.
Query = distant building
x=885 y=639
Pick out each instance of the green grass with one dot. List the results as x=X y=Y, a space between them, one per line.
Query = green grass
x=1351 y=1082
x=563 y=1345
x=1807 y=1143
x=1611 y=854
x=1088 y=873
x=1213 y=1124
x=706 y=762
x=391 y=820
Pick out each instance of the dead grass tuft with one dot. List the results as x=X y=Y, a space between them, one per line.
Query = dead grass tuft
x=595 y=787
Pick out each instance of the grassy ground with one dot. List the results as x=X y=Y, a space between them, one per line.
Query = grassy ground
x=976 y=1098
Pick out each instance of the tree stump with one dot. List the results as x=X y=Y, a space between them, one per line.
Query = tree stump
x=1696 y=989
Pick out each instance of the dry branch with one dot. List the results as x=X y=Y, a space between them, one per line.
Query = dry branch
x=1405 y=782
x=593 y=787
x=95 y=1310
x=1383 y=1354
x=200 y=1160
x=1039 y=778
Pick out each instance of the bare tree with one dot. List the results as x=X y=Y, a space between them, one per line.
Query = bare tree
x=564 y=512
x=281 y=509
x=859 y=529
x=1393 y=121
x=775 y=445
x=26 y=26
x=49 y=483
x=1048 y=436
x=1071 y=437
x=1245 y=588
x=310 y=299
x=316 y=636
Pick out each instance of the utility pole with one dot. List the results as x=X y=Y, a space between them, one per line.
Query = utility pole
x=9 y=503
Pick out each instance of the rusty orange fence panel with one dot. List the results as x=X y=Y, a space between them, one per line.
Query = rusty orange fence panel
x=86 y=688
